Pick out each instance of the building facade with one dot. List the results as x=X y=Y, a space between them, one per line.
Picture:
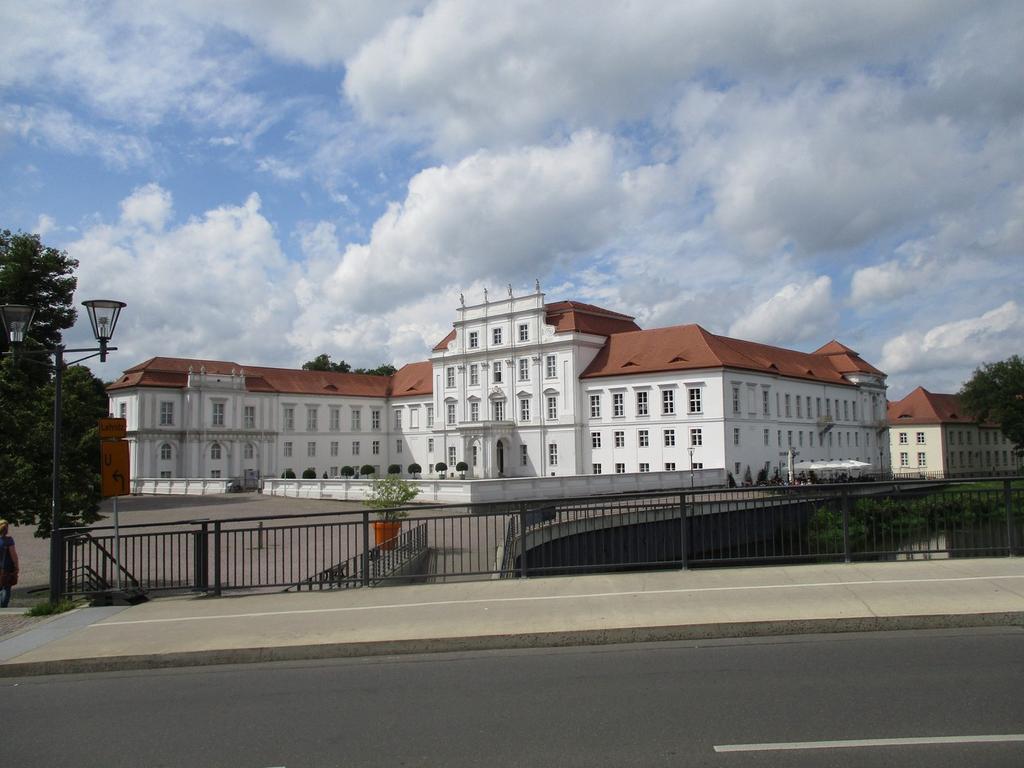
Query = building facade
x=930 y=434
x=518 y=388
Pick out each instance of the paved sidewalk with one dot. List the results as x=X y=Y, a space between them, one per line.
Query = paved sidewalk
x=631 y=607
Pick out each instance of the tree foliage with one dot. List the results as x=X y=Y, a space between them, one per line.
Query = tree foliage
x=996 y=393
x=43 y=278
x=323 y=362
x=390 y=492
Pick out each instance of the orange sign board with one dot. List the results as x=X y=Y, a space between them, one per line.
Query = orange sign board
x=114 y=469
x=113 y=429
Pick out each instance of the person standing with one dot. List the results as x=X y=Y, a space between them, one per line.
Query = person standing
x=8 y=565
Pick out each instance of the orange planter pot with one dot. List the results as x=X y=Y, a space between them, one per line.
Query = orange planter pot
x=385 y=533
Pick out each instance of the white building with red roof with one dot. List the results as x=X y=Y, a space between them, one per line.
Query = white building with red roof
x=518 y=388
x=930 y=434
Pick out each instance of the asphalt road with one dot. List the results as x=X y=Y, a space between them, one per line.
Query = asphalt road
x=668 y=704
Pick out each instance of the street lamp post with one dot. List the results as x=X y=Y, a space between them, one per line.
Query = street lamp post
x=690 y=450
x=17 y=320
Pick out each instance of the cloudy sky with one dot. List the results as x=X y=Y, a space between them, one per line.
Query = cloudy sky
x=264 y=181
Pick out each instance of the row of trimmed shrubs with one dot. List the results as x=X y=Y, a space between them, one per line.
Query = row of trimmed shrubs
x=367 y=470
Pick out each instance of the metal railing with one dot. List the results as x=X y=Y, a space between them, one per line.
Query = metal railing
x=890 y=520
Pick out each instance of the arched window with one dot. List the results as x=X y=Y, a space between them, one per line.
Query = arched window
x=165 y=452
x=215 y=451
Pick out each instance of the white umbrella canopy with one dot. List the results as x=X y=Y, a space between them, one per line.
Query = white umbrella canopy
x=830 y=464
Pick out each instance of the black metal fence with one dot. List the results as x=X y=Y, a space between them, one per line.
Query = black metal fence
x=755 y=525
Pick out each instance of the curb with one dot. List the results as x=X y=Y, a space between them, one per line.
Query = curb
x=561 y=639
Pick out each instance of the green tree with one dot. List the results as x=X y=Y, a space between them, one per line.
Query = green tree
x=388 y=493
x=43 y=278
x=384 y=369
x=323 y=362
x=996 y=393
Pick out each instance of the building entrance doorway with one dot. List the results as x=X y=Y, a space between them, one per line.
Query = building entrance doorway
x=499 y=457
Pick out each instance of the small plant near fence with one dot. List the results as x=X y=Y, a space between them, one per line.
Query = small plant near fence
x=390 y=492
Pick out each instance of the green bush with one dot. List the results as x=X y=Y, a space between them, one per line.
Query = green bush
x=388 y=493
x=394 y=469
x=288 y=474
x=415 y=469
x=461 y=467
x=440 y=467
x=366 y=470
x=347 y=471
x=308 y=473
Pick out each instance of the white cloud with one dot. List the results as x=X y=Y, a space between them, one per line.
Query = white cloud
x=150 y=205
x=797 y=312
x=882 y=282
x=960 y=344
x=44 y=225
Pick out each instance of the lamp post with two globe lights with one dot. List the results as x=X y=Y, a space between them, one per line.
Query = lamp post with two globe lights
x=17 y=321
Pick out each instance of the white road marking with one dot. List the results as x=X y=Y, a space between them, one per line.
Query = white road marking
x=857 y=743
x=538 y=598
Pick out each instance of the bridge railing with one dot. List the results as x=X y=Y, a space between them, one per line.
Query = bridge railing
x=760 y=524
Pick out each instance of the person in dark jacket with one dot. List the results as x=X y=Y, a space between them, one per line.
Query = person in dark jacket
x=8 y=565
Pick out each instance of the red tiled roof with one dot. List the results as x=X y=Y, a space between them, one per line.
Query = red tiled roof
x=845 y=360
x=691 y=347
x=924 y=407
x=443 y=343
x=414 y=379
x=173 y=372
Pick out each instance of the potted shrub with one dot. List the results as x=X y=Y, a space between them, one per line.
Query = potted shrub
x=415 y=469
x=308 y=473
x=394 y=469
x=387 y=495
x=366 y=470
x=347 y=471
x=462 y=467
x=288 y=474
x=440 y=468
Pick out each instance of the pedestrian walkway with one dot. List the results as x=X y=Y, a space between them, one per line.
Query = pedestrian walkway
x=515 y=613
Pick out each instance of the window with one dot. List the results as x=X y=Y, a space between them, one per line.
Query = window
x=766 y=438
x=375 y=420
x=921 y=462
x=668 y=401
x=311 y=449
x=552 y=408
x=620 y=439
x=764 y=401
x=596 y=469
x=789 y=407
x=215 y=473
x=552 y=454
x=789 y=438
x=476 y=455
x=499 y=410
x=550 y=369
x=218 y=414
x=800 y=437
x=398 y=446
x=735 y=399
x=474 y=411
x=643 y=438
x=620 y=469
x=333 y=471
x=670 y=437
x=165 y=474
x=474 y=339
x=287 y=448
x=694 y=395
x=311 y=420
x=817 y=406
x=474 y=374
x=449 y=377
x=618 y=406
x=799 y=407
x=375 y=447
x=414 y=418
x=398 y=419
x=641 y=403
x=122 y=410
x=854 y=410
x=357 y=420
x=904 y=459
x=644 y=467
x=846 y=410
x=920 y=438
x=496 y=336
x=450 y=408
x=430 y=416
x=249 y=415
x=215 y=451
x=355 y=447
x=670 y=466
x=524 y=409
x=165 y=452
x=524 y=332
x=524 y=455
x=497 y=372
x=696 y=436
x=595 y=406
x=166 y=414
x=735 y=435
x=524 y=369
x=451 y=457
x=430 y=445
x=334 y=448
